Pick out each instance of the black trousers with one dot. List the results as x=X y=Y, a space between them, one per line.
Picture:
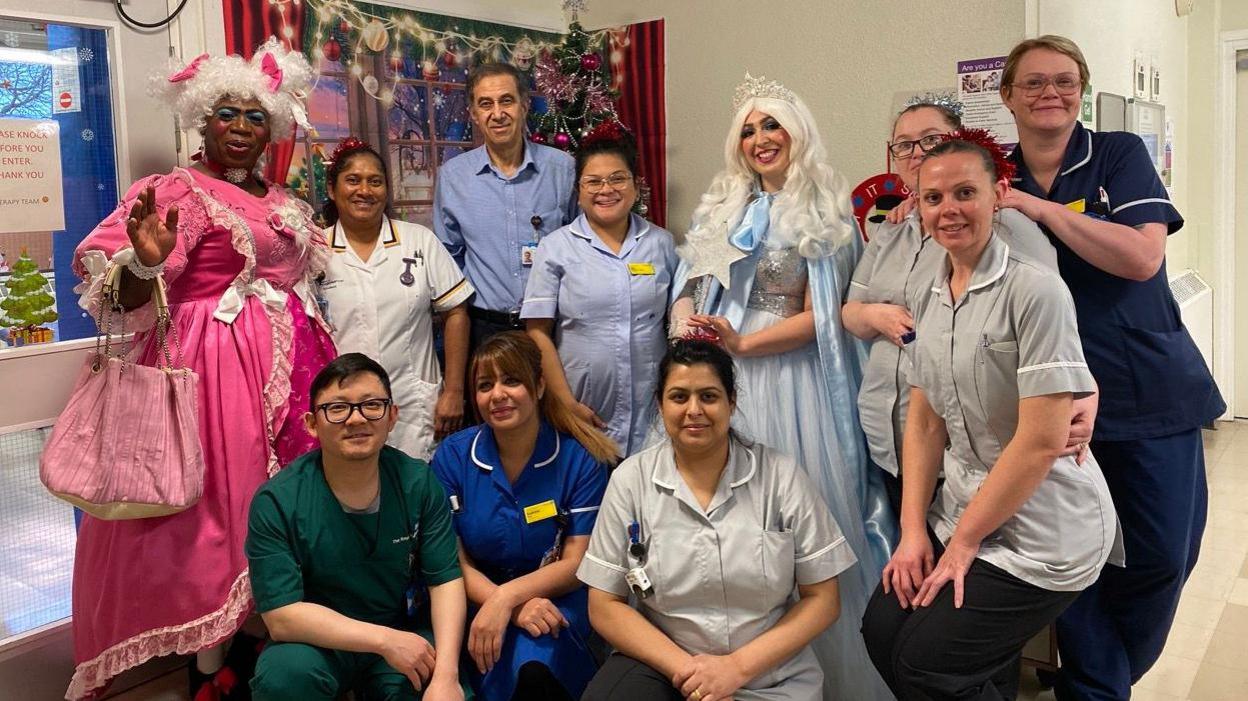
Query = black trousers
x=971 y=653
x=623 y=678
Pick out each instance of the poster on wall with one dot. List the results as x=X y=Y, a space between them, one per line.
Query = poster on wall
x=979 y=85
x=66 y=88
x=31 y=198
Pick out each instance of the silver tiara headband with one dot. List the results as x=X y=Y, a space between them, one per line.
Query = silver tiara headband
x=760 y=87
x=945 y=100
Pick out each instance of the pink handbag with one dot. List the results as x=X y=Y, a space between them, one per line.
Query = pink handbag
x=127 y=444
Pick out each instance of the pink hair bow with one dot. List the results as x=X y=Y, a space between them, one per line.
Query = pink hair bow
x=190 y=71
x=269 y=67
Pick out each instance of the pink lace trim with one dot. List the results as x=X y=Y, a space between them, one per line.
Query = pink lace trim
x=277 y=390
x=183 y=639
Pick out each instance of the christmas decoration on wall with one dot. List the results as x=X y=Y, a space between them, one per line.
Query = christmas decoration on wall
x=28 y=304
x=348 y=33
x=573 y=78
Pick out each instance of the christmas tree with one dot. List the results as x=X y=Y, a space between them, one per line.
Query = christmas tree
x=576 y=83
x=28 y=304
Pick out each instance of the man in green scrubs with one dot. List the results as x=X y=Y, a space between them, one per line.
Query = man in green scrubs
x=339 y=544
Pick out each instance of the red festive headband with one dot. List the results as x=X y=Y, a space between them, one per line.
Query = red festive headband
x=348 y=144
x=984 y=139
x=610 y=130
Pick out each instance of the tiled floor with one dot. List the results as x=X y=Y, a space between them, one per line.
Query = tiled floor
x=1205 y=657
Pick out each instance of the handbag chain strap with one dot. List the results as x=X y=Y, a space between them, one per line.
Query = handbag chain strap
x=110 y=306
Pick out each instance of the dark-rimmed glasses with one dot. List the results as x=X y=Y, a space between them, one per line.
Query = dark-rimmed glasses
x=1064 y=83
x=905 y=149
x=340 y=412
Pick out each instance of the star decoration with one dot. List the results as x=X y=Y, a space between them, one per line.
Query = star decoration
x=712 y=256
x=7 y=85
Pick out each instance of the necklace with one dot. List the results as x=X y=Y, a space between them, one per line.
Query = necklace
x=233 y=175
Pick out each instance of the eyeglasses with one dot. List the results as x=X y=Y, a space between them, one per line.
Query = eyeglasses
x=617 y=181
x=340 y=412
x=905 y=149
x=1063 y=83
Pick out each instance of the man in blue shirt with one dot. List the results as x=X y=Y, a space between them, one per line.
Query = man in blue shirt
x=493 y=204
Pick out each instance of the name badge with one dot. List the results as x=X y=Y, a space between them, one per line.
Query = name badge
x=527 y=252
x=540 y=512
x=641 y=268
x=1076 y=206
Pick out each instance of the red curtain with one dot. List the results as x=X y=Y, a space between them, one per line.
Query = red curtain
x=250 y=23
x=640 y=76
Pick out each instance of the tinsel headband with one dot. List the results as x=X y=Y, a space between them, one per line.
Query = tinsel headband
x=348 y=144
x=944 y=100
x=985 y=140
x=760 y=87
x=609 y=130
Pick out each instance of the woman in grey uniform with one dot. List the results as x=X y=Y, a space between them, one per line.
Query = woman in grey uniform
x=1020 y=530
x=894 y=279
x=731 y=554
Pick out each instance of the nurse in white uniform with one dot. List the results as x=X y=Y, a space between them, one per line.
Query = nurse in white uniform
x=383 y=285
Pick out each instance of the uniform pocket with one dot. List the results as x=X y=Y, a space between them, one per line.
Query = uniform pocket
x=996 y=388
x=779 y=567
x=417 y=401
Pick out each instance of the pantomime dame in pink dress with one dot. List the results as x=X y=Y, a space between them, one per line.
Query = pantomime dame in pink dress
x=238 y=255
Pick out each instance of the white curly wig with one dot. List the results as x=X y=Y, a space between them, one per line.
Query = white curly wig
x=811 y=212
x=205 y=80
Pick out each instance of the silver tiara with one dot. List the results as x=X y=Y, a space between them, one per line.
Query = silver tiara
x=760 y=87
x=947 y=100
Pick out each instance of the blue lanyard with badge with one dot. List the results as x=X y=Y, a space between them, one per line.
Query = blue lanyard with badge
x=528 y=250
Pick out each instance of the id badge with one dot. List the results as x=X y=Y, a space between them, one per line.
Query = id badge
x=527 y=252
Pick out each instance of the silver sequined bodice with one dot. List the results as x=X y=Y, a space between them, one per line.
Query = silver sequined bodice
x=779 y=282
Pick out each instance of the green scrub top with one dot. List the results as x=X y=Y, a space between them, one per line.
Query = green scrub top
x=302 y=546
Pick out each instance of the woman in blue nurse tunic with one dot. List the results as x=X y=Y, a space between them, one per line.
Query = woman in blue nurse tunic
x=598 y=292
x=525 y=486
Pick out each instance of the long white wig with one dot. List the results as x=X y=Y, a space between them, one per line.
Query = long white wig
x=190 y=90
x=812 y=211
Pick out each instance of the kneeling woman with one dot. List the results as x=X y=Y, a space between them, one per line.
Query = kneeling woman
x=1023 y=529
x=525 y=486
x=712 y=534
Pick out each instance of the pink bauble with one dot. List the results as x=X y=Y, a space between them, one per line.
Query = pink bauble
x=332 y=50
x=591 y=62
x=429 y=70
x=537 y=137
x=562 y=140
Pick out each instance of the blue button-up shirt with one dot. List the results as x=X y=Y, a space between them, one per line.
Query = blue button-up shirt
x=1153 y=380
x=609 y=309
x=485 y=218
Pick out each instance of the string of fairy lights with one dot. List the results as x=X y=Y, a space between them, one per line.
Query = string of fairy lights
x=372 y=34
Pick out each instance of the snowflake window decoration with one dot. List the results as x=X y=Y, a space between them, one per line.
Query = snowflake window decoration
x=87 y=135
x=85 y=55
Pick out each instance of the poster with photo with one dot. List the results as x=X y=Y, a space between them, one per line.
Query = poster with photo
x=979 y=85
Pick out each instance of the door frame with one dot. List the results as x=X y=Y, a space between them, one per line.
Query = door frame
x=1224 y=195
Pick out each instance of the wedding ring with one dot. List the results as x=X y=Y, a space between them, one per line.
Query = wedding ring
x=697 y=694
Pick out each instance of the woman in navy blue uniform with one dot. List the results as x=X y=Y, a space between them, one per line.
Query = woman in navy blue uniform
x=1098 y=197
x=525 y=486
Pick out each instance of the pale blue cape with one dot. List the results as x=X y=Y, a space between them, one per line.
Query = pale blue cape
x=842 y=357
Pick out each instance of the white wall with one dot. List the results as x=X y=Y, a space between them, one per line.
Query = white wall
x=846 y=59
x=1109 y=38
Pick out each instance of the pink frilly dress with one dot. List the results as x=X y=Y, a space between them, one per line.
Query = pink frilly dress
x=239 y=287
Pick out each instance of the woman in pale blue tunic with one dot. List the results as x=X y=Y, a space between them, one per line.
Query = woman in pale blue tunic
x=764 y=269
